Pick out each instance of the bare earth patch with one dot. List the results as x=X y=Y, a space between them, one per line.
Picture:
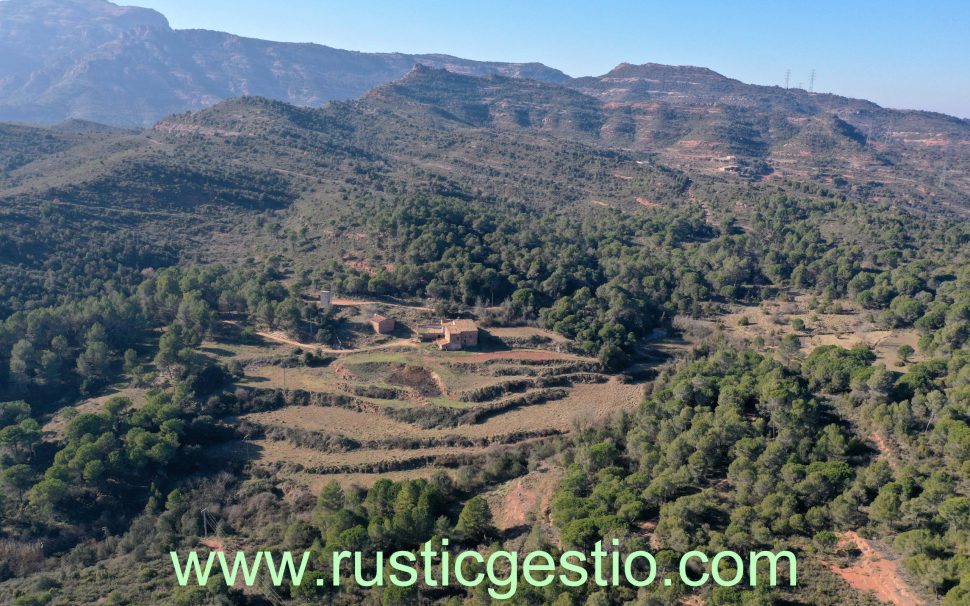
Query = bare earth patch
x=422 y=380
x=876 y=574
x=886 y=452
x=645 y=202
x=530 y=496
x=214 y=543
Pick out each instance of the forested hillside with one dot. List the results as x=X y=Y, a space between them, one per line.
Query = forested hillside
x=131 y=261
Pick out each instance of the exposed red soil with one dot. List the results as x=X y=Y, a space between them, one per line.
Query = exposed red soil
x=360 y=265
x=647 y=529
x=872 y=572
x=417 y=378
x=530 y=494
x=214 y=543
x=885 y=451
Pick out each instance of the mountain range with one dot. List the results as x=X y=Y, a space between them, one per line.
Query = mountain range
x=91 y=61
x=94 y=60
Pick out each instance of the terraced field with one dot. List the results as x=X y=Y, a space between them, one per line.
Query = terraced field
x=411 y=410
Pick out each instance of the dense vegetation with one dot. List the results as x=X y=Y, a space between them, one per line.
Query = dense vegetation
x=117 y=270
x=753 y=459
x=51 y=354
x=609 y=278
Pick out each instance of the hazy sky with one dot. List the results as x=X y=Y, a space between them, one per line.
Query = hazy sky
x=899 y=54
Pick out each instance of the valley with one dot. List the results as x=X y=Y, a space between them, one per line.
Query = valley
x=381 y=299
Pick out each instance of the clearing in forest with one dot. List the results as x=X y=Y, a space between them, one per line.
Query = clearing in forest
x=840 y=323
x=408 y=410
x=874 y=573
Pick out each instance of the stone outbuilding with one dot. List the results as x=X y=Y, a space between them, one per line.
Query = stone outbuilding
x=382 y=325
x=429 y=332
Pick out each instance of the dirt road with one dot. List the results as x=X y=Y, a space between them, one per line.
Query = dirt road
x=342 y=302
x=279 y=337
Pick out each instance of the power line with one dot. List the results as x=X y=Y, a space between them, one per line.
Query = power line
x=787 y=77
x=205 y=522
x=811 y=81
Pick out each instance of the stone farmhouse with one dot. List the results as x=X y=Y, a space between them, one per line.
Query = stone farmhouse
x=458 y=334
x=451 y=335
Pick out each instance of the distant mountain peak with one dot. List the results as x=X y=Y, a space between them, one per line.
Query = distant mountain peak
x=422 y=72
x=420 y=69
x=123 y=65
x=654 y=70
x=95 y=11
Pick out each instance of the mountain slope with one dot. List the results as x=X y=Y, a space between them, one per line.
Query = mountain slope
x=693 y=116
x=93 y=60
x=207 y=184
x=243 y=178
x=715 y=127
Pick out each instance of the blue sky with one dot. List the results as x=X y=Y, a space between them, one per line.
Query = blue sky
x=899 y=54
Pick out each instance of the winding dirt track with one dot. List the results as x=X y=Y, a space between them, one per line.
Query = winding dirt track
x=341 y=302
x=278 y=337
x=885 y=451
